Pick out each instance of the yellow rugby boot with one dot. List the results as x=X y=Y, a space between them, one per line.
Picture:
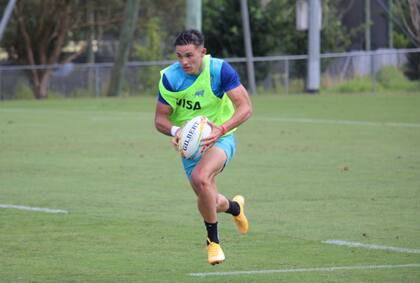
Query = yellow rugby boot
x=215 y=253
x=241 y=221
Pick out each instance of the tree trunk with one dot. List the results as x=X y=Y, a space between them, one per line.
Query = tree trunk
x=126 y=37
x=41 y=84
x=418 y=69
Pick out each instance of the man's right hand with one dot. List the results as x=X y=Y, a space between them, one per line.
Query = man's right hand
x=175 y=139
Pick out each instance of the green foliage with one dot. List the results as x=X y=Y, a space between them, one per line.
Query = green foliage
x=23 y=90
x=355 y=85
x=400 y=40
x=406 y=33
x=151 y=48
x=273 y=28
x=388 y=79
x=392 y=78
x=171 y=19
x=334 y=36
x=296 y=86
x=79 y=93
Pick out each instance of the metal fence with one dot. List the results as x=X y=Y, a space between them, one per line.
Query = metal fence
x=366 y=72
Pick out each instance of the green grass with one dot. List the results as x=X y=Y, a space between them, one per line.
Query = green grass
x=307 y=176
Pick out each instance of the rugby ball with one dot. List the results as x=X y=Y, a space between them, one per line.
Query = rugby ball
x=192 y=133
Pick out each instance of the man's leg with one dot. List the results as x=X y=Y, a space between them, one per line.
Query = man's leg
x=209 y=201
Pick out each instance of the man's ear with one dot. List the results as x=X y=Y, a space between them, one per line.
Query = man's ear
x=203 y=51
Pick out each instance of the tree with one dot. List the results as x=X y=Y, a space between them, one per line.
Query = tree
x=158 y=24
x=272 y=26
x=126 y=38
x=39 y=31
x=151 y=48
x=169 y=15
x=408 y=12
x=273 y=30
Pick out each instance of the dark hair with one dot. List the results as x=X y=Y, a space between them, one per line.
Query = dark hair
x=190 y=36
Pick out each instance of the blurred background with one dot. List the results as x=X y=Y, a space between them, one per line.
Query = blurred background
x=96 y=48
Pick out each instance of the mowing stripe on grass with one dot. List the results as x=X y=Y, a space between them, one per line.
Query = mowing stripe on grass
x=30 y=208
x=312 y=269
x=147 y=115
x=100 y=113
x=338 y=122
x=371 y=246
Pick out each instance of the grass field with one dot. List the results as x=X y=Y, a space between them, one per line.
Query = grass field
x=312 y=168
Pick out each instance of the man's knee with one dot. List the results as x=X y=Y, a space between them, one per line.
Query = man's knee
x=200 y=179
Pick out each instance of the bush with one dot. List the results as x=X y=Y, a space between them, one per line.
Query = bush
x=356 y=85
x=23 y=90
x=387 y=79
x=391 y=78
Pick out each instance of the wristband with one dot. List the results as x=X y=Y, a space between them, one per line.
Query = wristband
x=224 y=129
x=174 y=129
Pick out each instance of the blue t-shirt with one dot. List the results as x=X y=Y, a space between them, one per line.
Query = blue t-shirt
x=223 y=78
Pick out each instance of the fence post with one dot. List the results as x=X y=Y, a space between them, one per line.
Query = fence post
x=373 y=72
x=286 y=82
x=1 y=91
x=97 y=82
x=1 y=86
x=248 y=47
x=314 y=46
x=194 y=14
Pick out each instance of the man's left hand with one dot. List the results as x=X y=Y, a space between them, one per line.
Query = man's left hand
x=215 y=134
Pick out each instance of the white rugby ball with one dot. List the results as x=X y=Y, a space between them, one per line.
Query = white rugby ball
x=192 y=133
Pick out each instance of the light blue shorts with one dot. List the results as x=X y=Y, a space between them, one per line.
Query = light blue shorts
x=227 y=143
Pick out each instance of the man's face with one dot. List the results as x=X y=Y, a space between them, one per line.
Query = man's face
x=190 y=57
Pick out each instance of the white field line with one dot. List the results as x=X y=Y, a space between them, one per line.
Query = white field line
x=313 y=269
x=337 y=122
x=30 y=208
x=370 y=246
